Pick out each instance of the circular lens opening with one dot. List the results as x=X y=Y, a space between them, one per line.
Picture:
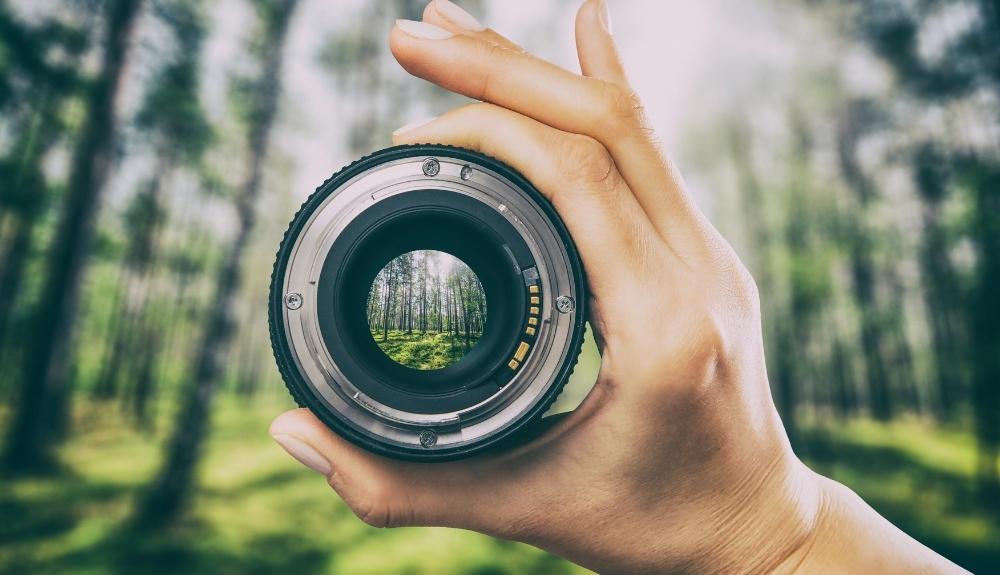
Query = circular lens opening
x=426 y=309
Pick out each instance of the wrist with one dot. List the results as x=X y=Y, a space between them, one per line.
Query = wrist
x=757 y=526
x=851 y=537
x=772 y=526
x=754 y=517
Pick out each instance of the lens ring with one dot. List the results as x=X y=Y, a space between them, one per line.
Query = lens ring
x=313 y=370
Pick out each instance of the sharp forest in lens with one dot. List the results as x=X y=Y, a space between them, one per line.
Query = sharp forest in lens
x=426 y=309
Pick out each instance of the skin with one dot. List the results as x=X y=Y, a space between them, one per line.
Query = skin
x=677 y=461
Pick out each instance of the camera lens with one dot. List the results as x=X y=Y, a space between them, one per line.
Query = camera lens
x=426 y=309
x=426 y=303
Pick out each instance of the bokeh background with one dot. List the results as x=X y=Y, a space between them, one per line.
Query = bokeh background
x=152 y=152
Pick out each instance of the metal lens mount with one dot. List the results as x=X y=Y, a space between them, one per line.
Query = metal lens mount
x=426 y=197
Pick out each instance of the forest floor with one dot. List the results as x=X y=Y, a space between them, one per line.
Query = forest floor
x=431 y=350
x=259 y=512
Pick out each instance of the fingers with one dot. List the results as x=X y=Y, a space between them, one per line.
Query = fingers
x=451 y=17
x=594 y=45
x=605 y=111
x=474 y=494
x=574 y=172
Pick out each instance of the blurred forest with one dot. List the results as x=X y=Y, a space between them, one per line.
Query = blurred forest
x=152 y=152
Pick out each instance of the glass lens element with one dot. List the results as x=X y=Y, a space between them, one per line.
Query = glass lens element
x=426 y=309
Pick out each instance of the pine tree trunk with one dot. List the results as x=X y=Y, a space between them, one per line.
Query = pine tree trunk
x=940 y=297
x=984 y=313
x=144 y=375
x=172 y=488
x=465 y=311
x=423 y=297
x=862 y=265
x=29 y=183
x=388 y=301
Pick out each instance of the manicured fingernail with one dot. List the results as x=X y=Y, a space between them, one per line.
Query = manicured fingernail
x=457 y=16
x=304 y=453
x=423 y=30
x=605 y=15
x=412 y=125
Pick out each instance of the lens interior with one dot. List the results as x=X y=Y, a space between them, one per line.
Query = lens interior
x=426 y=309
x=475 y=233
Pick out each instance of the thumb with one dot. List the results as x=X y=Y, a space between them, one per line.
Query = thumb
x=595 y=45
x=388 y=493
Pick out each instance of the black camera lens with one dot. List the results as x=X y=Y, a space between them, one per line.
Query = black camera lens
x=427 y=303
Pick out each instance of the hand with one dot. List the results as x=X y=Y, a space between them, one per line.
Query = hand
x=677 y=460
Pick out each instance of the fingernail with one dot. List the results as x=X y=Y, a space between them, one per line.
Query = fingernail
x=458 y=16
x=304 y=453
x=406 y=128
x=423 y=30
x=605 y=15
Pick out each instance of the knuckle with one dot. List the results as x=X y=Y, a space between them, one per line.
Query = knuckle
x=475 y=114
x=497 y=55
x=378 y=509
x=372 y=513
x=585 y=160
x=741 y=288
x=621 y=109
x=710 y=347
x=736 y=285
x=748 y=289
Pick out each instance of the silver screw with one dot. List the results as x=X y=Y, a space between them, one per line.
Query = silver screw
x=293 y=300
x=565 y=304
x=428 y=438
x=466 y=173
x=431 y=167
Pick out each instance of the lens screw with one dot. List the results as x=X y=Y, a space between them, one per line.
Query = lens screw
x=431 y=167
x=565 y=304
x=466 y=173
x=293 y=300
x=428 y=438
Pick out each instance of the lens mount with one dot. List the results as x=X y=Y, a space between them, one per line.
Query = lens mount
x=450 y=200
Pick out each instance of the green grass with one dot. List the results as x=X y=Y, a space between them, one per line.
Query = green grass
x=257 y=512
x=431 y=350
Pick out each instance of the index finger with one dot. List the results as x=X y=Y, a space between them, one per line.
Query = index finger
x=608 y=112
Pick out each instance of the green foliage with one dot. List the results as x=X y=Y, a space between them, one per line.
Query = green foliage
x=431 y=350
x=172 y=109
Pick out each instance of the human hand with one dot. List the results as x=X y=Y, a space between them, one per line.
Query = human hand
x=677 y=459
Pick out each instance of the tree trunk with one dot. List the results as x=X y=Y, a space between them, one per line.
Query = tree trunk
x=984 y=314
x=862 y=265
x=145 y=376
x=388 y=301
x=48 y=359
x=172 y=487
x=423 y=295
x=29 y=184
x=462 y=295
x=940 y=297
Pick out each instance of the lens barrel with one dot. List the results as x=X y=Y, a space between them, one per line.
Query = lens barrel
x=338 y=267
